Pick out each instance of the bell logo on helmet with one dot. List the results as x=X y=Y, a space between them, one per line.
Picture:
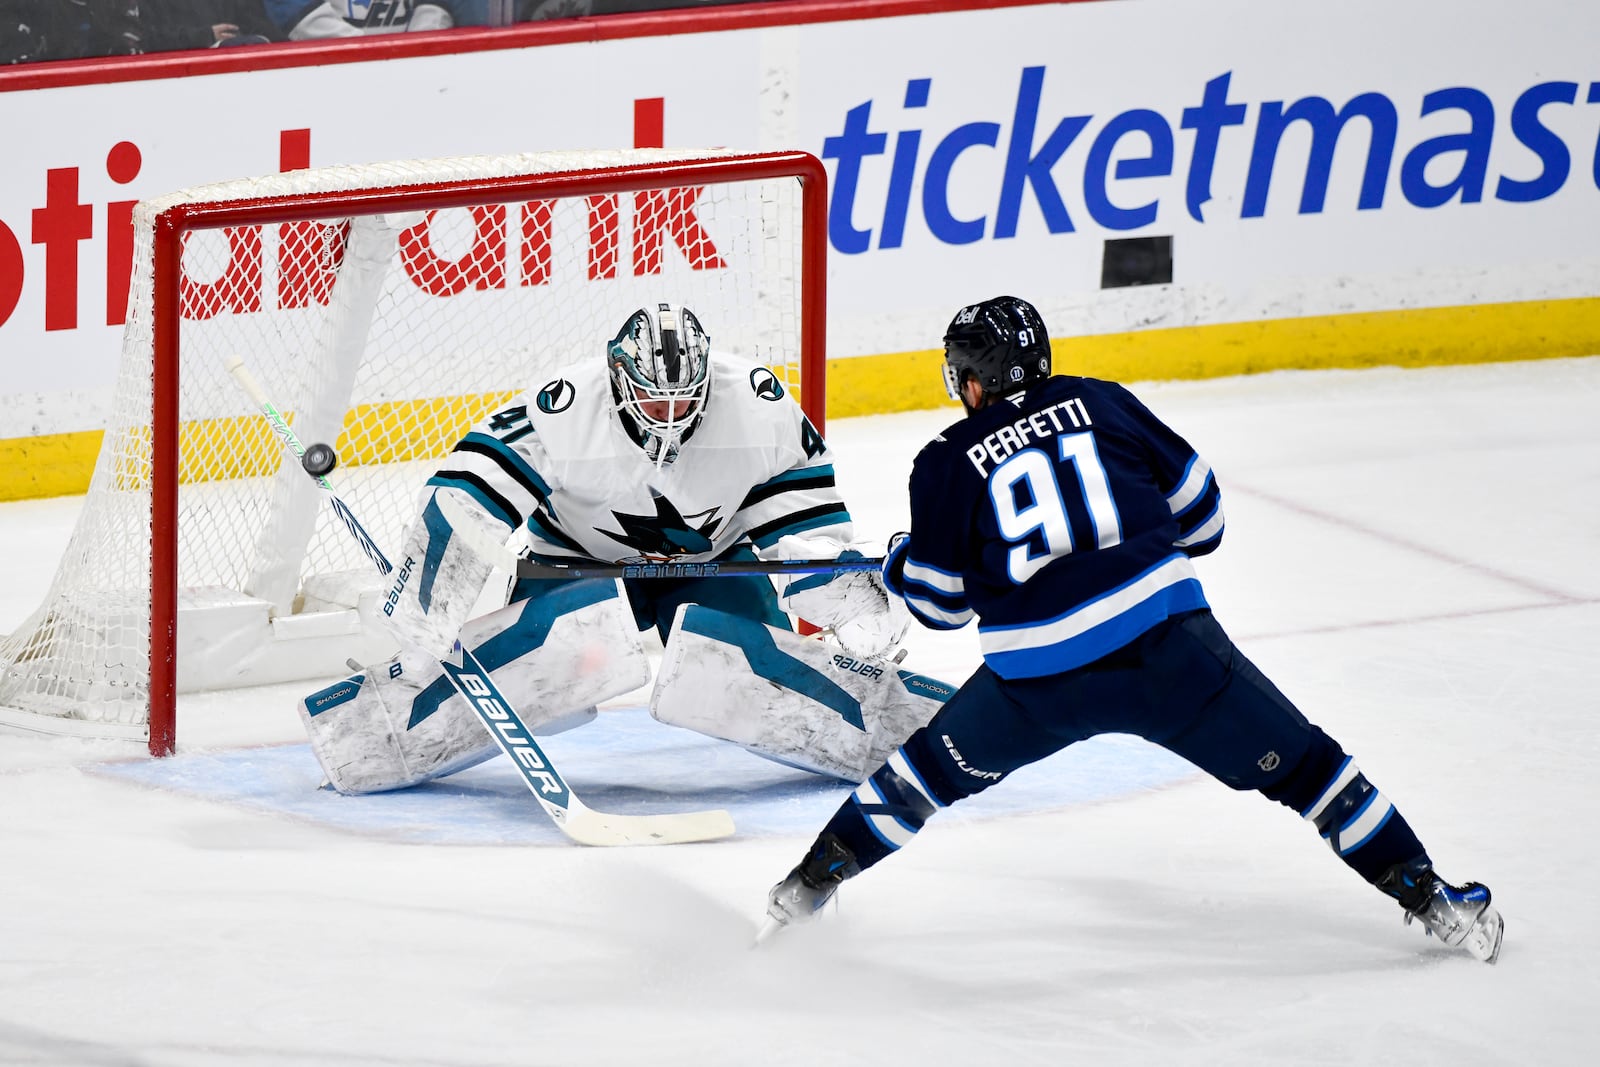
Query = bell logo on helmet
x=1001 y=344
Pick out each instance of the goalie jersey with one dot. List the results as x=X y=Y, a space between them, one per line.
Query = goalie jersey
x=1065 y=522
x=557 y=465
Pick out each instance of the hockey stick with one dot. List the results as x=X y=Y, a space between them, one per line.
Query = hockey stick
x=578 y=821
x=280 y=426
x=496 y=552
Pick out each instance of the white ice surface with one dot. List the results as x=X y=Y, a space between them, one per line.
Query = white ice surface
x=1411 y=555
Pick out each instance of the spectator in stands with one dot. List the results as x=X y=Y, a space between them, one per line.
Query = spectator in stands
x=543 y=10
x=170 y=25
x=303 y=20
x=21 y=35
x=70 y=29
x=33 y=30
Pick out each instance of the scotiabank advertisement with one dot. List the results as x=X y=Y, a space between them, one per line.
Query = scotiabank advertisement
x=1288 y=160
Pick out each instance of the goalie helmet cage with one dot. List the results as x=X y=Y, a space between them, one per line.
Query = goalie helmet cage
x=386 y=309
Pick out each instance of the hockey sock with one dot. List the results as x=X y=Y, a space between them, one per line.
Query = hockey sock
x=1360 y=824
x=884 y=812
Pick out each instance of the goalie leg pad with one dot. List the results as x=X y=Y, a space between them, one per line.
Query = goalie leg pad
x=789 y=698
x=554 y=657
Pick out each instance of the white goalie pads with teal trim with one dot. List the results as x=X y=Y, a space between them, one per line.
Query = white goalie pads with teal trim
x=554 y=657
x=796 y=700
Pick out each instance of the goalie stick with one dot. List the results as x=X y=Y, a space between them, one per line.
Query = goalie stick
x=280 y=426
x=577 y=820
x=498 y=553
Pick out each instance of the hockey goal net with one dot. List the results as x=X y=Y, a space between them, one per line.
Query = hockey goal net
x=385 y=309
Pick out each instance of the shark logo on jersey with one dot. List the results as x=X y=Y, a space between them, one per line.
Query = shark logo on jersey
x=555 y=397
x=766 y=384
x=666 y=533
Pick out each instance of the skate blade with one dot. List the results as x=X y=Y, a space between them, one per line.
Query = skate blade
x=1483 y=940
x=769 y=926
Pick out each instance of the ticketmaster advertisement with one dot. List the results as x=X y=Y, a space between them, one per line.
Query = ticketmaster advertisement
x=1170 y=177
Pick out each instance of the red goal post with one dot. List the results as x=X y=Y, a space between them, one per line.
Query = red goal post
x=386 y=308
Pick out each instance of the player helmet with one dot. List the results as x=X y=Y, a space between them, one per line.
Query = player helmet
x=660 y=377
x=1001 y=342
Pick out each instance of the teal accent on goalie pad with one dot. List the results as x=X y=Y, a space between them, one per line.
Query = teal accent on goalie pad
x=628 y=763
x=767 y=661
x=439 y=534
x=923 y=686
x=338 y=693
x=529 y=632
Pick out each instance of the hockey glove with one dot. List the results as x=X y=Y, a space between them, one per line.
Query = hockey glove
x=854 y=605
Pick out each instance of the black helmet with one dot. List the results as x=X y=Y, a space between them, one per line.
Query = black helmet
x=1001 y=342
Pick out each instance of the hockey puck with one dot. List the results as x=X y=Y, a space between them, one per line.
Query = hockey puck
x=319 y=460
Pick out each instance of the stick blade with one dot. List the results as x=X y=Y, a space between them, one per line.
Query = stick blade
x=589 y=827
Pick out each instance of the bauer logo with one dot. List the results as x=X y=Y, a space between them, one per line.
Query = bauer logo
x=393 y=600
x=856 y=666
x=766 y=384
x=508 y=731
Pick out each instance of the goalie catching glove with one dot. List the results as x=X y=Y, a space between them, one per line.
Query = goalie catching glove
x=867 y=621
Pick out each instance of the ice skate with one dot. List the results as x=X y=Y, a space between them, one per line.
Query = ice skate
x=801 y=895
x=1460 y=916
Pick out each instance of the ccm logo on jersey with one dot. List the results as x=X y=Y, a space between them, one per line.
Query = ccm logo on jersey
x=513 y=734
x=856 y=666
x=399 y=586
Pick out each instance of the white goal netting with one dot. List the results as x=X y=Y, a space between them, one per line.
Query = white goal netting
x=385 y=309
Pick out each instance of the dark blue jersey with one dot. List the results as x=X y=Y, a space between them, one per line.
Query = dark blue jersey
x=1064 y=522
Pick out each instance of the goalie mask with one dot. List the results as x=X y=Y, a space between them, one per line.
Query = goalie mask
x=1000 y=342
x=660 y=378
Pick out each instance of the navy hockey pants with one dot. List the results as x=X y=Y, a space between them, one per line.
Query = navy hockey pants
x=1182 y=685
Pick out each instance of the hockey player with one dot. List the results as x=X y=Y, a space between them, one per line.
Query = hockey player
x=661 y=450
x=1062 y=515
